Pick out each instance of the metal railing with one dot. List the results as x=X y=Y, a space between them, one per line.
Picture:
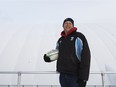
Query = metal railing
x=19 y=74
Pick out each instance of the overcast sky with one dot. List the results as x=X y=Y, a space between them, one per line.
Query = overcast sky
x=47 y=11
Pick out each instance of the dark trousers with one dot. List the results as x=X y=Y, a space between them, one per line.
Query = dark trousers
x=67 y=80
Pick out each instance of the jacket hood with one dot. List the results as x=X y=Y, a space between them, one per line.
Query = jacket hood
x=69 y=32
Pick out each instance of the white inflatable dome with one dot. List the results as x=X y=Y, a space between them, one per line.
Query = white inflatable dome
x=29 y=29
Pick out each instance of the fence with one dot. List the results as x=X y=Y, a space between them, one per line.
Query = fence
x=20 y=73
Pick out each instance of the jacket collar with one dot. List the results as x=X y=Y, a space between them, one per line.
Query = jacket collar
x=69 y=32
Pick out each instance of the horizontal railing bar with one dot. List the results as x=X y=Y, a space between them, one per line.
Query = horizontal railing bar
x=45 y=72
x=19 y=73
x=28 y=72
x=52 y=85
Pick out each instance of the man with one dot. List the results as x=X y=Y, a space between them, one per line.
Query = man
x=73 y=61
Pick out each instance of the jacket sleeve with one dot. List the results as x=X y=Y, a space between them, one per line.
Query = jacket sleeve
x=78 y=48
x=57 y=45
x=84 y=66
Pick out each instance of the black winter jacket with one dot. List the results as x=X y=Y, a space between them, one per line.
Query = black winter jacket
x=68 y=61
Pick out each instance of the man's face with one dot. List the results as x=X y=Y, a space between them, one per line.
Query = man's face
x=67 y=26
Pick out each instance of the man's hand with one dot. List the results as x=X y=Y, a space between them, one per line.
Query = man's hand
x=46 y=58
x=82 y=83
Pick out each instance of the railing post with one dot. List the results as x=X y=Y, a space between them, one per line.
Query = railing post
x=103 y=80
x=19 y=80
x=8 y=85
